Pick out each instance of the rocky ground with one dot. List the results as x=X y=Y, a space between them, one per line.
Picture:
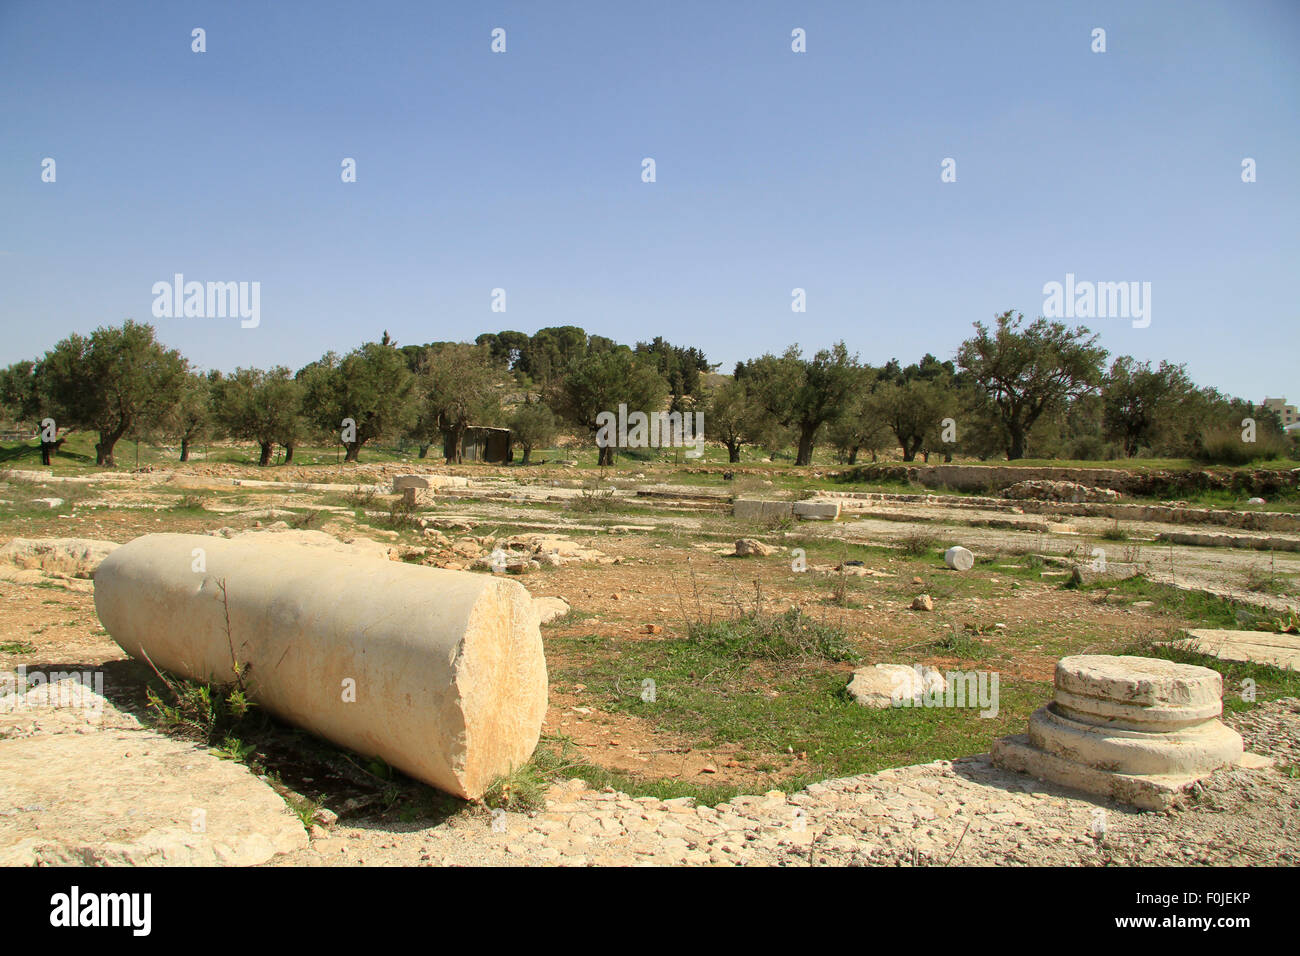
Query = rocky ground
x=113 y=791
x=964 y=812
x=92 y=786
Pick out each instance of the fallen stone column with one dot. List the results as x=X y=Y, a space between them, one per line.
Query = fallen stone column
x=959 y=558
x=440 y=673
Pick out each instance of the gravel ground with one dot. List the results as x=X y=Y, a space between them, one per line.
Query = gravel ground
x=965 y=812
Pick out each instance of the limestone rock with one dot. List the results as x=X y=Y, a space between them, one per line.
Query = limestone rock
x=445 y=668
x=65 y=557
x=427 y=482
x=550 y=608
x=1111 y=571
x=1261 y=647
x=551 y=549
x=816 y=510
x=1048 y=490
x=882 y=685
x=748 y=546
x=959 y=559
x=753 y=509
x=1141 y=730
x=90 y=787
x=923 y=602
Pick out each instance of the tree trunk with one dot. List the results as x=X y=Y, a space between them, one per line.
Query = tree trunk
x=853 y=455
x=265 y=458
x=528 y=451
x=805 y=446
x=48 y=450
x=288 y=454
x=1017 y=447
x=354 y=451
x=424 y=451
x=104 y=450
x=606 y=456
x=733 y=452
x=185 y=449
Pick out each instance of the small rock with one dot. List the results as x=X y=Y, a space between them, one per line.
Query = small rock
x=880 y=686
x=748 y=546
x=325 y=817
x=550 y=608
x=923 y=602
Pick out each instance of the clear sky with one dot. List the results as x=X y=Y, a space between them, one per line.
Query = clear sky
x=774 y=170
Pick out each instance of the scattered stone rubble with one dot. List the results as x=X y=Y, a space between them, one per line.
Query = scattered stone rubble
x=529 y=552
x=70 y=561
x=750 y=546
x=1046 y=490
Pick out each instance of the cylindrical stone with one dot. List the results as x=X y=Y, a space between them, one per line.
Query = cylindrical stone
x=959 y=559
x=1197 y=749
x=440 y=673
x=1144 y=681
x=1155 y=718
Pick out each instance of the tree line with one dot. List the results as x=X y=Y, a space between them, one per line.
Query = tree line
x=1012 y=390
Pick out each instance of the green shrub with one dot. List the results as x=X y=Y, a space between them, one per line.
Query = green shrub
x=776 y=637
x=1223 y=446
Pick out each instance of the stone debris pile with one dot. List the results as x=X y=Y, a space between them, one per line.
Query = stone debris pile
x=1046 y=490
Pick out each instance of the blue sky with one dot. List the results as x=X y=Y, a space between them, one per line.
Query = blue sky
x=775 y=170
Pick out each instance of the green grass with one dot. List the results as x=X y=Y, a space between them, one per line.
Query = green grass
x=557 y=759
x=964 y=642
x=77 y=456
x=792 y=636
x=1270 y=682
x=715 y=690
x=1203 y=610
x=211 y=713
x=1114 y=533
x=304 y=808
